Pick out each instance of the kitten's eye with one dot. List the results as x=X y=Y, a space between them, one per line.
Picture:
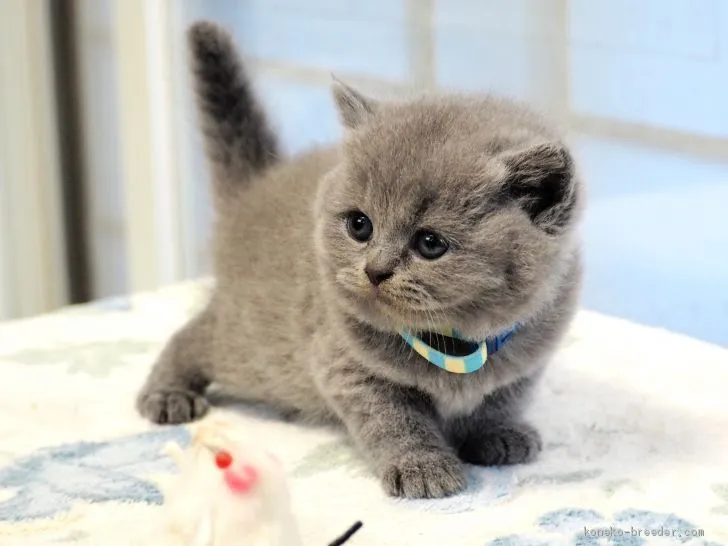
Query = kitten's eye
x=359 y=226
x=430 y=245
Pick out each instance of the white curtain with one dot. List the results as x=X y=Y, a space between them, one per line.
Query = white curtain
x=32 y=250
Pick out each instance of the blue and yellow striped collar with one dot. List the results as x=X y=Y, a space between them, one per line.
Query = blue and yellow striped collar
x=457 y=364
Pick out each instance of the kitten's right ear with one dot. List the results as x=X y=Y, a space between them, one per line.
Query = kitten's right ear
x=542 y=179
x=354 y=108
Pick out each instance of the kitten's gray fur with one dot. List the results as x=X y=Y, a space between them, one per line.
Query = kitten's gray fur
x=294 y=321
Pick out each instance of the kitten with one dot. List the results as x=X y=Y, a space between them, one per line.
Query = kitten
x=438 y=212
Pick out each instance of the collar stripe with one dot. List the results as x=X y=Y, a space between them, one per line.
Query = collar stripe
x=458 y=364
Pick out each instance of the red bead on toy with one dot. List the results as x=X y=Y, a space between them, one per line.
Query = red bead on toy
x=223 y=459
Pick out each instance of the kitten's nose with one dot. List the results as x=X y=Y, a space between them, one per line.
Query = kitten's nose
x=378 y=276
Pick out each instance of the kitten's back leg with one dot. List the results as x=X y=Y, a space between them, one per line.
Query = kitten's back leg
x=174 y=390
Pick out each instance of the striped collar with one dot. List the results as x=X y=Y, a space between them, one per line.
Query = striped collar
x=458 y=364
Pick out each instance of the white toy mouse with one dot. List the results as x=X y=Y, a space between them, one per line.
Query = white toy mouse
x=230 y=492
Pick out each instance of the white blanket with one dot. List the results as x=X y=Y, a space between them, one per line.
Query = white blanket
x=635 y=424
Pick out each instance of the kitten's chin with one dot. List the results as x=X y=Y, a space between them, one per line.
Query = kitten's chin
x=385 y=315
x=371 y=310
x=382 y=310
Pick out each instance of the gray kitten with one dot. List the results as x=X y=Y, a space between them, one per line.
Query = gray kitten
x=443 y=211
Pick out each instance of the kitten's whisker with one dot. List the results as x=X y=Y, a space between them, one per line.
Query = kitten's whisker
x=433 y=325
x=439 y=335
x=444 y=318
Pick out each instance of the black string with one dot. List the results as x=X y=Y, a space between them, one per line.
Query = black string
x=346 y=536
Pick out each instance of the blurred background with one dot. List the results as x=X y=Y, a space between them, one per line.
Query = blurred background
x=103 y=189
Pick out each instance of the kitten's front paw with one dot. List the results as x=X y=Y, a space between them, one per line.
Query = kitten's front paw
x=172 y=407
x=424 y=474
x=512 y=443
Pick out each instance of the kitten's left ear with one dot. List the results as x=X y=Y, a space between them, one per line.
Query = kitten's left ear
x=542 y=179
x=354 y=108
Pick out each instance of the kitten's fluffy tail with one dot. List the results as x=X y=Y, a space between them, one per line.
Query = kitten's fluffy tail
x=238 y=139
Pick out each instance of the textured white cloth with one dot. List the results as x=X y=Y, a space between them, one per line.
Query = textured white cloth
x=635 y=424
